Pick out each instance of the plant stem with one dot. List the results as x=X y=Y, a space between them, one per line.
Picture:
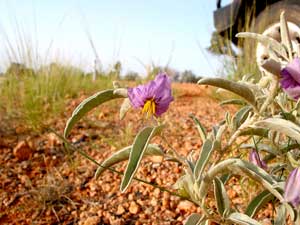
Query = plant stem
x=271 y=96
x=84 y=154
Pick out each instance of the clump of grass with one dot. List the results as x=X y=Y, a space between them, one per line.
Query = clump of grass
x=34 y=97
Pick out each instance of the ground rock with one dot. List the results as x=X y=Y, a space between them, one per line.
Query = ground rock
x=22 y=151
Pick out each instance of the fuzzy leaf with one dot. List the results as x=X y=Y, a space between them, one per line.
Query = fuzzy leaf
x=240 y=116
x=291 y=211
x=87 y=105
x=258 y=202
x=241 y=90
x=242 y=219
x=184 y=185
x=225 y=178
x=193 y=219
x=139 y=147
x=280 y=125
x=258 y=131
x=258 y=174
x=281 y=215
x=126 y=105
x=266 y=41
x=233 y=102
x=262 y=147
x=206 y=151
x=123 y=155
x=223 y=203
x=200 y=128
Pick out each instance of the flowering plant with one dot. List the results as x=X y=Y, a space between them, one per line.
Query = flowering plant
x=267 y=125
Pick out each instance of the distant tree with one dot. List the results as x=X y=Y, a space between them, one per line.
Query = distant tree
x=19 y=70
x=188 y=77
x=131 y=76
x=115 y=71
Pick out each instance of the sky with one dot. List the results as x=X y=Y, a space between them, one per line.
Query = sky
x=137 y=33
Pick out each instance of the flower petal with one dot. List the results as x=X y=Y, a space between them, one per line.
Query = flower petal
x=294 y=69
x=137 y=96
x=158 y=90
x=292 y=188
x=293 y=92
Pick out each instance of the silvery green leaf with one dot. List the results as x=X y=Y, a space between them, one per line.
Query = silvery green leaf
x=191 y=165
x=220 y=132
x=266 y=41
x=258 y=202
x=242 y=219
x=184 y=185
x=285 y=36
x=233 y=102
x=278 y=167
x=214 y=132
x=123 y=155
x=240 y=117
x=288 y=147
x=295 y=163
x=281 y=215
x=206 y=151
x=138 y=149
x=126 y=105
x=223 y=203
x=257 y=131
x=241 y=90
x=200 y=128
x=87 y=105
x=280 y=125
x=291 y=211
x=260 y=175
x=262 y=147
x=228 y=119
x=193 y=219
x=225 y=178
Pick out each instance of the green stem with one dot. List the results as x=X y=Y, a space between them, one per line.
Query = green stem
x=84 y=154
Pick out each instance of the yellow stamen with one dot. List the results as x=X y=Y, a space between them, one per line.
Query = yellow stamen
x=149 y=107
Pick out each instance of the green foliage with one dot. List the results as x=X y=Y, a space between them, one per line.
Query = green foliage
x=123 y=155
x=32 y=98
x=139 y=147
x=222 y=199
x=258 y=202
x=240 y=89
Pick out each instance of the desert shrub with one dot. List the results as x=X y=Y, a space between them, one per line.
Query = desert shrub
x=259 y=143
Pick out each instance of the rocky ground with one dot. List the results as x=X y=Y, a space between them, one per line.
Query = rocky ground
x=42 y=183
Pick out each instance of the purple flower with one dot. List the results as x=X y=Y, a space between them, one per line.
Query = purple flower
x=290 y=79
x=255 y=159
x=154 y=97
x=292 y=188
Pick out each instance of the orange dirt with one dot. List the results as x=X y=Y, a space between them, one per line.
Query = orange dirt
x=44 y=184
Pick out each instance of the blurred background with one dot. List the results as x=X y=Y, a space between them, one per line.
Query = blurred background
x=101 y=33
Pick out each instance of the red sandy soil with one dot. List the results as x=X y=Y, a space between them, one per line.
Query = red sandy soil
x=43 y=184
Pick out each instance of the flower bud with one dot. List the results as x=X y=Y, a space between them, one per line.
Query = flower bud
x=255 y=159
